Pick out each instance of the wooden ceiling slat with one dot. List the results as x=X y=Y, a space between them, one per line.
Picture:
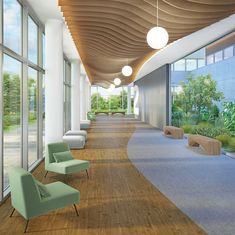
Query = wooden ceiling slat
x=110 y=33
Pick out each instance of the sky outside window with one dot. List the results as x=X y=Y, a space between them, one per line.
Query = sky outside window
x=32 y=41
x=12 y=25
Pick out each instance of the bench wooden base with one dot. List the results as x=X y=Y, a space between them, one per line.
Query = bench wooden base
x=112 y=113
x=209 y=145
x=175 y=132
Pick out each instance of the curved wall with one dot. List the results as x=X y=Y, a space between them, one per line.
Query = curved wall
x=154 y=97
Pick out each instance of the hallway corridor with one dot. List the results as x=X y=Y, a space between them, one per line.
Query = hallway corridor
x=116 y=200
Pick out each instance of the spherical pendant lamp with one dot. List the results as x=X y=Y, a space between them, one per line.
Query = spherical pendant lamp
x=112 y=86
x=117 y=81
x=157 y=37
x=127 y=70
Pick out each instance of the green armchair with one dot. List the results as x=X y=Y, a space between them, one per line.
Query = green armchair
x=31 y=198
x=66 y=166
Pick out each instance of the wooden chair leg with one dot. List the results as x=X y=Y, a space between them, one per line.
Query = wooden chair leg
x=46 y=174
x=26 y=226
x=12 y=212
x=87 y=174
x=76 y=209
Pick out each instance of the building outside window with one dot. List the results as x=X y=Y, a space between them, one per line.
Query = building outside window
x=228 y=52
x=218 y=56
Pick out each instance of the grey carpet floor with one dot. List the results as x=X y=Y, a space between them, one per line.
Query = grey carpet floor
x=201 y=186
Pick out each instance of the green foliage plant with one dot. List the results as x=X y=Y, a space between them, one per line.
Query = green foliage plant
x=187 y=128
x=198 y=96
x=231 y=145
x=229 y=115
x=224 y=139
x=209 y=131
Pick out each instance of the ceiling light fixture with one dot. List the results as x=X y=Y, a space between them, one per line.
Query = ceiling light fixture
x=127 y=70
x=157 y=37
x=111 y=87
x=117 y=81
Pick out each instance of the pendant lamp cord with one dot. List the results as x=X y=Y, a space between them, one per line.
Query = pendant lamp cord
x=157 y=13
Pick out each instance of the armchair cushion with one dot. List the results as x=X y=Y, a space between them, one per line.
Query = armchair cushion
x=63 y=156
x=42 y=190
x=68 y=167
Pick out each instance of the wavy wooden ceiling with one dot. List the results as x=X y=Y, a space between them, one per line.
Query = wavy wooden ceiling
x=111 y=33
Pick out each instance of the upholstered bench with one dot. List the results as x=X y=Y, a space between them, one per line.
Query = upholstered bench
x=209 y=145
x=175 y=132
x=85 y=124
x=77 y=132
x=74 y=141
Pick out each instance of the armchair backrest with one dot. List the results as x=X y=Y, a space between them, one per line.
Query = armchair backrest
x=25 y=196
x=55 y=148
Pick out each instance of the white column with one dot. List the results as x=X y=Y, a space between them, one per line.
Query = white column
x=89 y=97
x=54 y=81
x=75 y=95
x=128 y=100
x=82 y=94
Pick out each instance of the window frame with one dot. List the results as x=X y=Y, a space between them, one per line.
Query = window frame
x=27 y=11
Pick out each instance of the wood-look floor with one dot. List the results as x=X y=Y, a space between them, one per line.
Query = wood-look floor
x=116 y=199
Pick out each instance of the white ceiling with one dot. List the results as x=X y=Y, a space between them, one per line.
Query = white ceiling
x=50 y=10
x=187 y=45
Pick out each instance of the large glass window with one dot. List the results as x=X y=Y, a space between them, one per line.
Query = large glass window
x=218 y=56
x=179 y=65
x=108 y=100
x=191 y=64
x=43 y=112
x=203 y=99
x=11 y=115
x=228 y=52
x=43 y=50
x=32 y=116
x=200 y=63
x=12 y=25
x=20 y=91
x=32 y=41
x=210 y=59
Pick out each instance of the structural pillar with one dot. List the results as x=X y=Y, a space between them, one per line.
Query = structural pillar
x=54 y=81
x=88 y=95
x=129 y=100
x=82 y=98
x=75 y=95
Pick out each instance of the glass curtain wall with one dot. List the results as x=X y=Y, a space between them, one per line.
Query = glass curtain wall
x=21 y=91
x=109 y=100
x=202 y=90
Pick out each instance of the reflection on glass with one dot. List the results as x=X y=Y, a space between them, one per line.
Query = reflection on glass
x=12 y=25
x=43 y=113
x=210 y=59
x=200 y=63
x=179 y=65
x=191 y=64
x=218 y=56
x=32 y=41
x=228 y=52
x=32 y=116
x=43 y=51
x=11 y=115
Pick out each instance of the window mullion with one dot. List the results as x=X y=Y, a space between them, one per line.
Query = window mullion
x=25 y=92
x=1 y=102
